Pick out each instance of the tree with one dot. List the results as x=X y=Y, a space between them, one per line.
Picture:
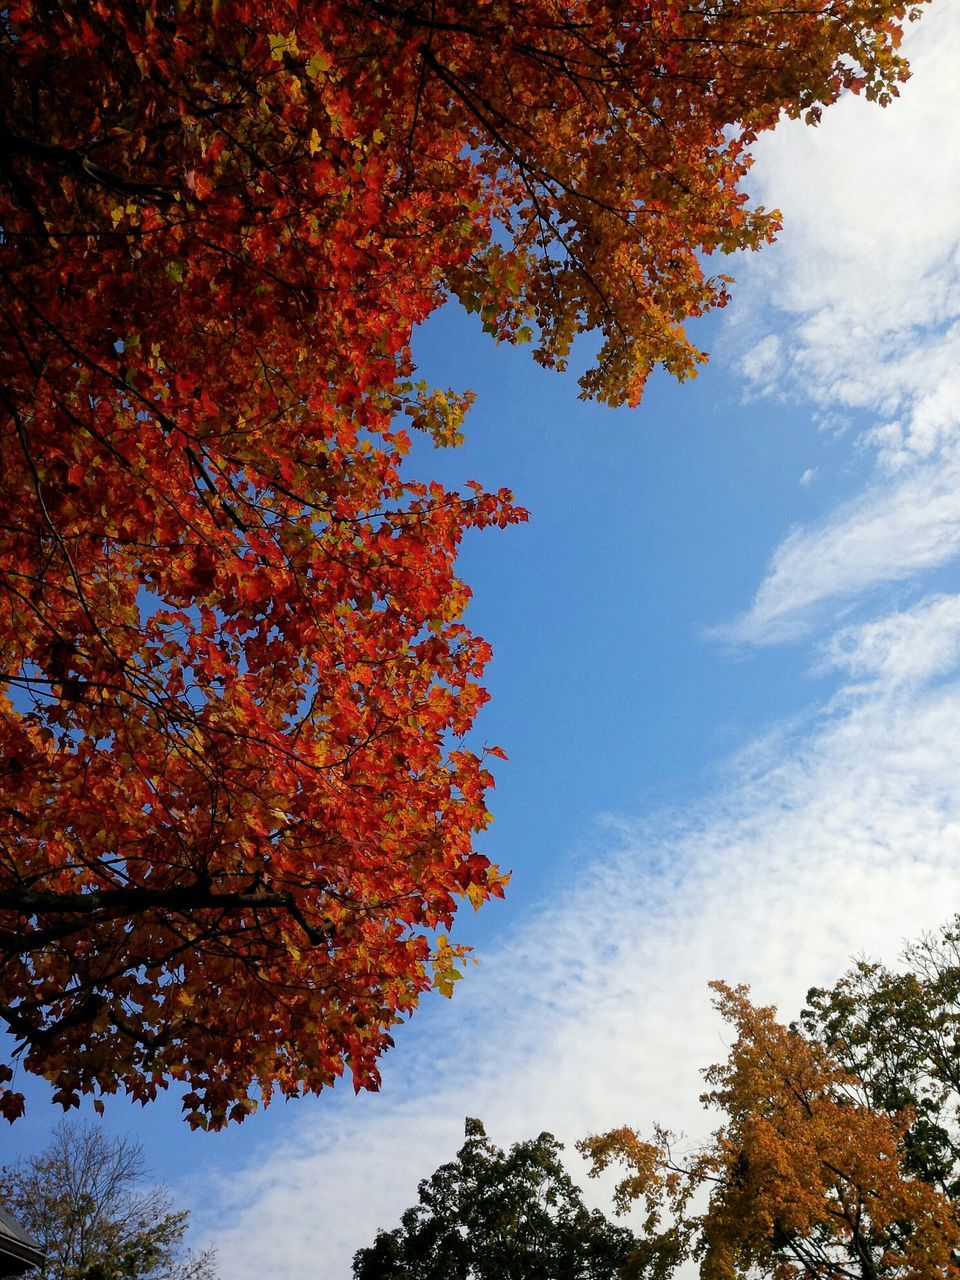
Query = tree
x=808 y=1176
x=236 y=807
x=898 y=1032
x=495 y=1215
x=82 y=1199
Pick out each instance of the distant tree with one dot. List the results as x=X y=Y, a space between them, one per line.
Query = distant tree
x=898 y=1031
x=818 y=1171
x=84 y=1201
x=495 y=1215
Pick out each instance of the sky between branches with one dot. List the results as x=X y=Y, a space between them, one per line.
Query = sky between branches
x=727 y=651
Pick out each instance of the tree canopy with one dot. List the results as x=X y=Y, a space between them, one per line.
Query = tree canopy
x=837 y=1155
x=495 y=1215
x=898 y=1031
x=237 y=811
x=84 y=1201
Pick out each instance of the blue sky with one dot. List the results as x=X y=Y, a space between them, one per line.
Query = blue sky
x=726 y=657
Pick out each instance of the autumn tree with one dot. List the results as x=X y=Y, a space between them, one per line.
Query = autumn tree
x=810 y=1176
x=84 y=1201
x=495 y=1215
x=237 y=807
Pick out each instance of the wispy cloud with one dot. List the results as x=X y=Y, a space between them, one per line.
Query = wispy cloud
x=598 y=1013
x=904 y=648
x=835 y=834
x=868 y=260
x=856 y=311
x=891 y=532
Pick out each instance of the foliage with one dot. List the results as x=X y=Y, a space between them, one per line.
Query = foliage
x=495 y=1215
x=83 y=1201
x=808 y=1176
x=234 y=676
x=898 y=1032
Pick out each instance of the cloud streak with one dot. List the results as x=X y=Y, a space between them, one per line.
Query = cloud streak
x=892 y=532
x=857 y=311
x=832 y=835
x=905 y=648
x=817 y=845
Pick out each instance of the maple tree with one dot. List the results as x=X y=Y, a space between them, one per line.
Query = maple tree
x=810 y=1177
x=498 y=1215
x=235 y=679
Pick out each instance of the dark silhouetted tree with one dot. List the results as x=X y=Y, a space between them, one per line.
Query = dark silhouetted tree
x=495 y=1215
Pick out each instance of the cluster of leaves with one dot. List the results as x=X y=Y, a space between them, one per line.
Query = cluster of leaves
x=235 y=806
x=495 y=1215
x=838 y=1158
x=898 y=1032
x=82 y=1201
x=232 y=811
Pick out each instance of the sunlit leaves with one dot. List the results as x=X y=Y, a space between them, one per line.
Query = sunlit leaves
x=805 y=1178
x=237 y=804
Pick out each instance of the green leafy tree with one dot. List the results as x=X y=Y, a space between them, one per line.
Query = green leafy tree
x=898 y=1031
x=83 y=1200
x=495 y=1215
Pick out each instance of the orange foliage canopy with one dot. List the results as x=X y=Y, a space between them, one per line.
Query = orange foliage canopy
x=806 y=1178
x=235 y=676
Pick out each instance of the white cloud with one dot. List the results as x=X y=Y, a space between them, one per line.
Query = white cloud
x=856 y=309
x=598 y=1013
x=762 y=365
x=869 y=252
x=836 y=835
x=896 y=529
x=913 y=645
